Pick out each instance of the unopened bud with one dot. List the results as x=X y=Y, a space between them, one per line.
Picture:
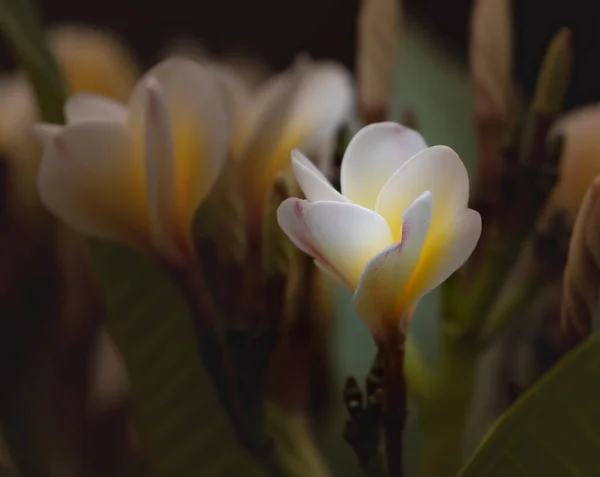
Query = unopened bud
x=378 y=38
x=555 y=75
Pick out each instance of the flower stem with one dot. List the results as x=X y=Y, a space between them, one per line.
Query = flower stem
x=394 y=409
x=215 y=355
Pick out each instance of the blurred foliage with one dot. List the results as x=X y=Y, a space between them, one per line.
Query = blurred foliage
x=182 y=426
x=22 y=30
x=551 y=430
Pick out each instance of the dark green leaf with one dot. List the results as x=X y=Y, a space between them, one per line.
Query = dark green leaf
x=24 y=34
x=551 y=431
x=181 y=423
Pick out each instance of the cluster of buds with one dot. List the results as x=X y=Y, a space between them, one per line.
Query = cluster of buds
x=515 y=194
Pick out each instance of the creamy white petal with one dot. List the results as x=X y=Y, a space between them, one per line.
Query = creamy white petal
x=46 y=132
x=378 y=298
x=160 y=171
x=199 y=126
x=312 y=182
x=327 y=270
x=264 y=144
x=84 y=106
x=343 y=236
x=264 y=119
x=373 y=156
x=437 y=169
x=459 y=243
x=236 y=95
x=86 y=179
x=579 y=163
x=323 y=102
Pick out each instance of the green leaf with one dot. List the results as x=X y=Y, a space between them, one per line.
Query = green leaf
x=24 y=34
x=554 y=429
x=181 y=423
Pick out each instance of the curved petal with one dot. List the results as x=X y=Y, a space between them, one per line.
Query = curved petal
x=387 y=275
x=88 y=180
x=236 y=95
x=259 y=144
x=323 y=102
x=327 y=270
x=437 y=169
x=46 y=132
x=199 y=126
x=579 y=163
x=458 y=245
x=342 y=236
x=264 y=118
x=160 y=174
x=312 y=182
x=373 y=156
x=84 y=106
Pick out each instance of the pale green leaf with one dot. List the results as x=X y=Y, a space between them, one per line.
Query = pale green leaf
x=553 y=430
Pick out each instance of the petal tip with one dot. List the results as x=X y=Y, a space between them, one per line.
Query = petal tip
x=46 y=133
x=153 y=91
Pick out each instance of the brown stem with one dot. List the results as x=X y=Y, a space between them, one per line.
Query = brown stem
x=213 y=350
x=394 y=410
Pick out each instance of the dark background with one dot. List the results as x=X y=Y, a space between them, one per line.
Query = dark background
x=275 y=30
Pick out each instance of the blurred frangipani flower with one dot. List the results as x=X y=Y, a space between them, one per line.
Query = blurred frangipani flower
x=400 y=227
x=304 y=106
x=90 y=60
x=136 y=174
x=580 y=161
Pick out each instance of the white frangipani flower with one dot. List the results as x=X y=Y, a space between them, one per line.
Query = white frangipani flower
x=400 y=227
x=305 y=107
x=136 y=174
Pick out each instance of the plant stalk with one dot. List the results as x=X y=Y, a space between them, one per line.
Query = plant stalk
x=394 y=408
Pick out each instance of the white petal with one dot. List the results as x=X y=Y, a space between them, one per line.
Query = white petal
x=437 y=169
x=579 y=163
x=46 y=132
x=312 y=182
x=84 y=106
x=264 y=118
x=323 y=102
x=330 y=272
x=378 y=298
x=199 y=126
x=160 y=171
x=373 y=156
x=342 y=236
x=235 y=93
x=87 y=179
x=262 y=145
x=458 y=247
